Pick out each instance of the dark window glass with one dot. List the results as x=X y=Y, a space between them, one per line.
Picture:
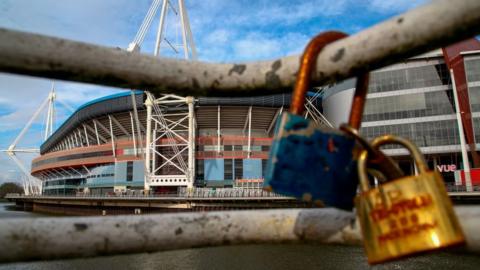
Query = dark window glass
x=228 y=147
x=228 y=168
x=238 y=168
x=200 y=169
x=129 y=170
x=264 y=167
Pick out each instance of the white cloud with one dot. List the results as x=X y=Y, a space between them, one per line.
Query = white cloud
x=218 y=36
x=239 y=30
x=395 y=6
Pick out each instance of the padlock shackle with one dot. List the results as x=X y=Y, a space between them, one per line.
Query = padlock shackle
x=383 y=140
x=358 y=102
x=412 y=148
x=362 y=171
x=307 y=65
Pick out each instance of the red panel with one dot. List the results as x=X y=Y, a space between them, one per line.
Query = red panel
x=474 y=176
x=454 y=61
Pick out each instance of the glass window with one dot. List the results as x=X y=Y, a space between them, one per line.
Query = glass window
x=412 y=105
x=422 y=134
x=129 y=170
x=416 y=77
x=472 y=70
x=228 y=168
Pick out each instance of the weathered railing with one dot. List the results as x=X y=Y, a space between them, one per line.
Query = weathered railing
x=52 y=238
x=194 y=193
x=451 y=188
x=437 y=24
x=428 y=27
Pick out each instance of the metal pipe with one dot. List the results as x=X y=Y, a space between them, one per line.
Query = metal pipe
x=406 y=35
x=133 y=135
x=160 y=28
x=307 y=66
x=249 y=151
x=82 y=237
x=461 y=135
x=112 y=137
x=191 y=142
x=86 y=135
x=184 y=29
x=149 y=105
x=96 y=132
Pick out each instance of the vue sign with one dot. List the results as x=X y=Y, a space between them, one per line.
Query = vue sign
x=447 y=168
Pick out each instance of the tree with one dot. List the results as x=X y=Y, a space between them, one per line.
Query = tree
x=10 y=187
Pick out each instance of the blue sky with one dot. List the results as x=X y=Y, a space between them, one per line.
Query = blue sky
x=223 y=30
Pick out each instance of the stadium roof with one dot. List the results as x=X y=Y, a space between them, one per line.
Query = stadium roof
x=122 y=102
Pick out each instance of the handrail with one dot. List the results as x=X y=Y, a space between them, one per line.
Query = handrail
x=420 y=30
x=434 y=25
x=55 y=238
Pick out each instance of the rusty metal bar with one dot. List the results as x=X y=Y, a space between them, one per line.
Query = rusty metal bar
x=431 y=26
x=55 y=238
x=307 y=65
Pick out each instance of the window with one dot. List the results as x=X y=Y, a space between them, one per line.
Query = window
x=238 y=168
x=264 y=167
x=228 y=169
x=200 y=169
x=129 y=170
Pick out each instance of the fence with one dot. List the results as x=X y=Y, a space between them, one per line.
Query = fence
x=431 y=26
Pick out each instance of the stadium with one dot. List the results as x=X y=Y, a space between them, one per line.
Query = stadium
x=224 y=142
x=201 y=142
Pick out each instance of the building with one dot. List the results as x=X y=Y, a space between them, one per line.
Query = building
x=224 y=142
x=415 y=99
x=98 y=149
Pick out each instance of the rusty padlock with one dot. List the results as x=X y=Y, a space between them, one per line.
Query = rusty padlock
x=408 y=215
x=308 y=161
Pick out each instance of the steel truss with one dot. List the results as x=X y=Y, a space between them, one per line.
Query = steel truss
x=170 y=140
x=312 y=111
x=32 y=185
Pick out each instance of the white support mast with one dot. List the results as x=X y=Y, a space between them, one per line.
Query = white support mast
x=31 y=184
x=170 y=138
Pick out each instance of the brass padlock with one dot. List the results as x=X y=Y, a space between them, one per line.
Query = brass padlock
x=408 y=215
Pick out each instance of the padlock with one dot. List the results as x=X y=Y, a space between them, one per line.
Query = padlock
x=408 y=215
x=312 y=162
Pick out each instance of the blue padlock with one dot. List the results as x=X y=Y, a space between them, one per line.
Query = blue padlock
x=308 y=161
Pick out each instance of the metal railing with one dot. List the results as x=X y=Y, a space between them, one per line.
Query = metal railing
x=420 y=30
x=428 y=27
x=452 y=188
x=182 y=194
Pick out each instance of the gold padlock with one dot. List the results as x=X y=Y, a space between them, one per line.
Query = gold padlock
x=408 y=215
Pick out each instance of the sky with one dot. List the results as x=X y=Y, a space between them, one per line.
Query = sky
x=223 y=31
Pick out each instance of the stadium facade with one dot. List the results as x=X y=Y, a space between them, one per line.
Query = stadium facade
x=98 y=149
x=224 y=142
x=415 y=99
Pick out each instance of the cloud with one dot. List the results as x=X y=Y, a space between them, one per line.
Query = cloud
x=257 y=46
x=233 y=31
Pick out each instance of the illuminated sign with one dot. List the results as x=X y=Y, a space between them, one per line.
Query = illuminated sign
x=447 y=168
